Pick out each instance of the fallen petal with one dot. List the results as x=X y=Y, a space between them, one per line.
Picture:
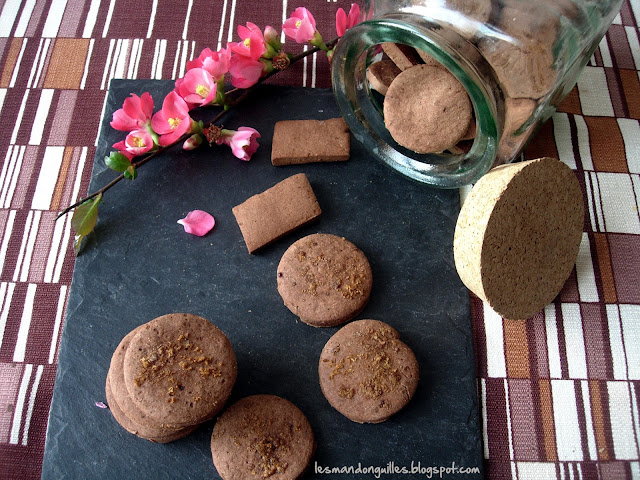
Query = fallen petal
x=101 y=405
x=197 y=222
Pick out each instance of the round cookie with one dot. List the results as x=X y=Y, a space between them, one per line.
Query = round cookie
x=157 y=435
x=366 y=372
x=381 y=74
x=426 y=109
x=262 y=436
x=179 y=369
x=324 y=279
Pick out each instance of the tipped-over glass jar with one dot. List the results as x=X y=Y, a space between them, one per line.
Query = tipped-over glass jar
x=516 y=59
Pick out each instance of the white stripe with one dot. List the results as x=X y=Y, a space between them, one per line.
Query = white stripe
x=58 y=322
x=155 y=59
x=624 y=441
x=630 y=316
x=562 y=135
x=634 y=411
x=132 y=59
x=16 y=68
x=65 y=241
x=54 y=251
x=224 y=14
x=10 y=174
x=591 y=436
x=635 y=6
x=138 y=55
x=8 y=17
x=87 y=62
x=536 y=470
x=27 y=10
x=23 y=244
x=565 y=415
x=3 y=94
x=152 y=19
x=553 y=346
x=590 y=201
x=104 y=107
x=8 y=229
x=32 y=402
x=6 y=294
x=183 y=57
x=81 y=163
x=618 y=203
x=304 y=67
x=51 y=163
x=583 y=143
x=54 y=18
x=122 y=58
x=509 y=429
x=598 y=202
x=617 y=20
x=17 y=412
x=587 y=287
x=186 y=20
x=33 y=235
x=160 y=63
x=283 y=37
x=16 y=174
x=634 y=45
x=16 y=129
x=485 y=436
x=313 y=69
x=630 y=130
x=635 y=182
x=36 y=62
x=605 y=53
x=107 y=22
x=107 y=64
x=114 y=61
x=25 y=324
x=594 y=93
x=175 y=62
x=41 y=62
x=44 y=104
x=92 y=17
x=496 y=364
x=616 y=343
x=232 y=16
x=635 y=470
x=574 y=340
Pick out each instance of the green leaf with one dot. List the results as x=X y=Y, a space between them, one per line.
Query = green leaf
x=78 y=241
x=117 y=161
x=130 y=173
x=85 y=216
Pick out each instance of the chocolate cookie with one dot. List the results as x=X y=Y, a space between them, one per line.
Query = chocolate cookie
x=324 y=279
x=262 y=436
x=179 y=369
x=426 y=109
x=366 y=372
x=310 y=141
x=381 y=74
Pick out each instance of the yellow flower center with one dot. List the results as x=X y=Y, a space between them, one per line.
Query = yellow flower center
x=138 y=142
x=174 y=122
x=298 y=23
x=247 y=42
x=202 y=90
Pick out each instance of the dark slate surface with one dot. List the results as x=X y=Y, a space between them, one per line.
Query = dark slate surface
x=140 y=264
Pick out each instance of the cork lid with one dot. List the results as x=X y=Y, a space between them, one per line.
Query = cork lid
x=517 y=236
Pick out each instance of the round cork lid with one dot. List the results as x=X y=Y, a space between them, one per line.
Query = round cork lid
x=517 y=236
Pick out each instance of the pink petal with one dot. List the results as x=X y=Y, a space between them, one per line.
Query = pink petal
x=197 y=222
x=101 y=405
x=341 y=22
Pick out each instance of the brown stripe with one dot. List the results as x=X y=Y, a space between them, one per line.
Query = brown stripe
x=631 y=88
x=42 y=248
x=571 y=103
x=10 y=61
x=537 y=333
x=523 y=421
x=620 y=47
x=598 y=416
x=614 y=85
x=606 y=270
x=479 y=335
x=66 y=66
x=62 y=178
x=596 y=337
x=516 y=349
x=497 y=430
x=543 y=144
x=548 y=428
x=607 y=145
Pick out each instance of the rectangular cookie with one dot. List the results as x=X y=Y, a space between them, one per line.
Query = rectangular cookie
x=309 y=141
x=403 y=56
x=269 y=215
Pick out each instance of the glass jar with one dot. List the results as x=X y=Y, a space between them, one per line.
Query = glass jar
x=516 y=59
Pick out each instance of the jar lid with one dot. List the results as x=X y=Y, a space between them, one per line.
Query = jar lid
x=517 y=236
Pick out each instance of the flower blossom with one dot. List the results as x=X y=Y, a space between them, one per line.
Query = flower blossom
x=197 y=87
x=245 y=72
x=216 y=63
x=243 y=142
x=135 y=113
x=344 y=22
x=198 y=222
x=173 y=120
x=252 y=44
x=300 y=26
x=136 y=143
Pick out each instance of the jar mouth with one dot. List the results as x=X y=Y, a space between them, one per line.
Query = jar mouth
x=360 y=105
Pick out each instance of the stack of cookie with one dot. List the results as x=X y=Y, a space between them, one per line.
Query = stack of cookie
x=169 y=375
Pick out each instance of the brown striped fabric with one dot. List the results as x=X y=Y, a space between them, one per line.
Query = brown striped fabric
x=560 y=393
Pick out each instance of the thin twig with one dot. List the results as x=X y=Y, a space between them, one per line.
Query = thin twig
x=184 y=137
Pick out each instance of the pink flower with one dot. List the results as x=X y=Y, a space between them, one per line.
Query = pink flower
x=135 y=113
x=344 y=23
x=193 y=142
x=216 y=63
x=173 y=120
x=272 y=38
x=245 y=72
x=243 y=142
x=137 y=143
x=252 y=44
x=300 y=26
x=197 y=222
x=198 y=88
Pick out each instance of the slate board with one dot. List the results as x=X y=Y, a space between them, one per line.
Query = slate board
x=140 y=264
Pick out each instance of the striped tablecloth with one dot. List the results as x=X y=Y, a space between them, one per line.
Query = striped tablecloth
x=559 y=393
